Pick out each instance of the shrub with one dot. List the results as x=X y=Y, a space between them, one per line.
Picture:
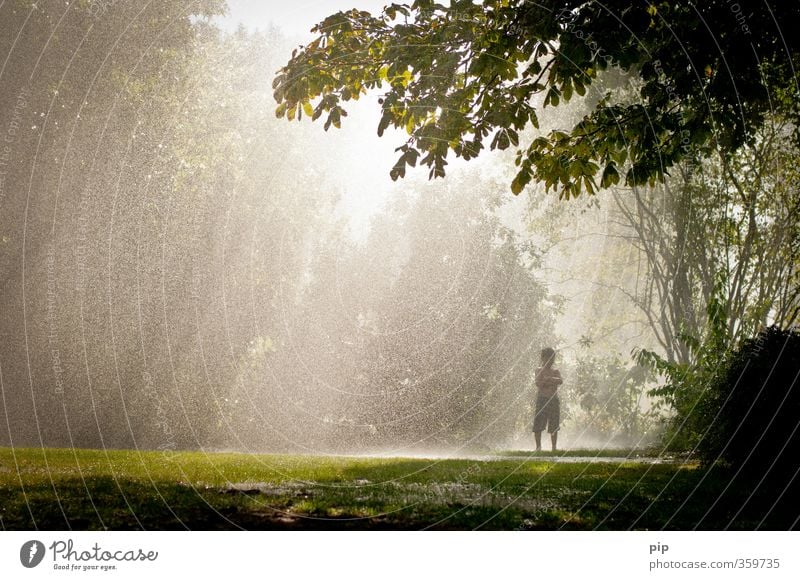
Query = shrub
x=756 y=403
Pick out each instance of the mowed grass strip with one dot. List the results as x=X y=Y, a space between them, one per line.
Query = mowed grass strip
x=60 y=489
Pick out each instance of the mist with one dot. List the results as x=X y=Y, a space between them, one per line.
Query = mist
x=182 y=270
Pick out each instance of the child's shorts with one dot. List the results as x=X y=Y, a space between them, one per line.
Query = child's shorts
x=548 y=414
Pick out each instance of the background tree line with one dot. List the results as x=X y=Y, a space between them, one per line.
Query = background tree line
x=176 y=272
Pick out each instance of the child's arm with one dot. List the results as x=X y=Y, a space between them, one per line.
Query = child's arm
x=548 y=379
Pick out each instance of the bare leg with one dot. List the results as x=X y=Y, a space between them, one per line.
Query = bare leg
x=538 y=436
x=553 y=439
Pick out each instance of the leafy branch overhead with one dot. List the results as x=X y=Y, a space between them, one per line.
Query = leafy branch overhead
x=466 y=76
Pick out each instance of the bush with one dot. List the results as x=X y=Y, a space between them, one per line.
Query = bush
x=756 y=406
x=605 y=399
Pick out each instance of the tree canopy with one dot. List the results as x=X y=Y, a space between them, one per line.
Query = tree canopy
x=470 y=75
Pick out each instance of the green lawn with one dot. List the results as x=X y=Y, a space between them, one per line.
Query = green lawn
x=90 y=489
x=588 y=453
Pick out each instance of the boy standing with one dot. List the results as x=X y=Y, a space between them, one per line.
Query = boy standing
x=548 y=407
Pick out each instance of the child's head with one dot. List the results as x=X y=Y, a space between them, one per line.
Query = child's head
x=548 y=356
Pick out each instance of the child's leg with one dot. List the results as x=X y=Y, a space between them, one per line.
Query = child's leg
x=555 y=420
x=537 y=435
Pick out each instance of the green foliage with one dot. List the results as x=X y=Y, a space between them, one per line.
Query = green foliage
x=720 y=240
x=756 y=401
x=611 y=399
x=686 y=391
x=462 y=77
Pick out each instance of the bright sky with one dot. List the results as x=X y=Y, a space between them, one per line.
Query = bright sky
x=295 y=17
x=364 y=175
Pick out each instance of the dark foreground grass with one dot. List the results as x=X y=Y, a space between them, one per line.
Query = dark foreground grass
x=87 y=489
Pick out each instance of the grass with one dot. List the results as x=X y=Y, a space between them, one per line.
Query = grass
x=590 y=453
x=89 y=489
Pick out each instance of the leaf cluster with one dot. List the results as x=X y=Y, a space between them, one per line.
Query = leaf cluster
x=470 y=76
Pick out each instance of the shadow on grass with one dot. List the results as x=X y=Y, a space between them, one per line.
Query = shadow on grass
x=410 y=494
